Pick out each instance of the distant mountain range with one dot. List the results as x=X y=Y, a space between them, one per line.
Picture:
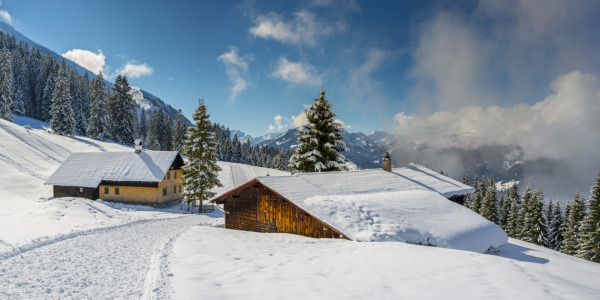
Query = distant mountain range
x=143 y=98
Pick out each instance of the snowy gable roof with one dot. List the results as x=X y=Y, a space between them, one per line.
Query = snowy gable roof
x=88 y=169
x=406 y=205
x=414 y=177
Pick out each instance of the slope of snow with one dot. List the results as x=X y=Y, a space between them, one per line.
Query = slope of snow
x=230 y=264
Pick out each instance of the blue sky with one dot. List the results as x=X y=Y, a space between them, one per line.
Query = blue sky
x=384 y=64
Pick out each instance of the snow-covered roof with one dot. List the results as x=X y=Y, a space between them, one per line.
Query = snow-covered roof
x=88 y=169
x=413 y=177
x=408 y=205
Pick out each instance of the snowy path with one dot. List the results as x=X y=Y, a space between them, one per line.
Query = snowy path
x=128 y=261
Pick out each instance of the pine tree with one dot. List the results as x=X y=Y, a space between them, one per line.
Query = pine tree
x=122 y=111
x=99 y=122
x=21 y=96
x=504 y=204
x=47 y=94
x=539 y=232
x=156 y=130
x=589 y=232
x=320 y=142
x=179 y=131
x=201 y=171
x=572 y=224
x=525 y=216
x=143 y=126
x=6 y=86
x=489 y=204
x=478 y=197
x=512 y=220
x=79 y=106
x=62 y=121
x=236 y=150
x=555 y=230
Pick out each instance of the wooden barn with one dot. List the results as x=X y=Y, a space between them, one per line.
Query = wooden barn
x=297 y=204
x=144 y=177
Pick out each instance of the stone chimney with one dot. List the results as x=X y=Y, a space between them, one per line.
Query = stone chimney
x=387 y=162
x=138 y=146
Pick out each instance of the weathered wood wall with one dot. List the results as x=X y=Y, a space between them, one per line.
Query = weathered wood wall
x=75 y=191
x=256 y=208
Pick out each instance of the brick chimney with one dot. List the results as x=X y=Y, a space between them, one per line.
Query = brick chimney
x=387 y=162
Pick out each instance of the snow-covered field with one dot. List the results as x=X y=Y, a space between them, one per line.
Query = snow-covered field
x=77 y=248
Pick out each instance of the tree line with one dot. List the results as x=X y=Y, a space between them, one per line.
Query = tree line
x=573 y=231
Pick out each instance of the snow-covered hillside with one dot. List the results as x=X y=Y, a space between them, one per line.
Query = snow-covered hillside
x=73 y=248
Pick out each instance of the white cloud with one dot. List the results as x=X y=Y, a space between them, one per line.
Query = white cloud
x=278 y=126
x=4 y=15
x=236 y=67
x=135 y=70
x=365 y=90
x=94 y=62
x=303 y=30
x=297 y=72
x=501 y=52
x=350 y=5
x=563 y=126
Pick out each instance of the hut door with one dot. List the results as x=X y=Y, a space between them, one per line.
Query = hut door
x=266 y=214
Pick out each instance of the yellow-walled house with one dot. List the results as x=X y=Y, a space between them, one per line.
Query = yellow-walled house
x=143 y=177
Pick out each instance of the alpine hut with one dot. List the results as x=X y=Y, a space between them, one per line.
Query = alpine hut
x=141 y=177
x=407 y=204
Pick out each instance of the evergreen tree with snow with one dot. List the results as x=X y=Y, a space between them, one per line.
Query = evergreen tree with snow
x=555 y=230
x=143 y=126
x=122 y=111
x=99 y=122
x=320 y=142
x=489 y=204
x=6 y=85
x=46 y=98
x=512 y=220
x=539 y=232
x=589 y=232
x=572 y=225
x=525 y=215
x=236 y=150
x=179 y=130
x=504 y=205
x=167 y=138
x=62 y=121
x=201 y=171
x=21 y=96
x=156 y=130
x=79 y=106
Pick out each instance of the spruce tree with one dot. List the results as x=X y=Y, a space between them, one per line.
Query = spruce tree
x=99 y=123
x=589 y=232
x=512 y=220
x=539 y=232
x=489 y=205
x=504 y=204
x=21 y=96
x=572 y=224
x=179 y=130
x=143 y=126
x=79 y=107
x=122 y=111
x=201 y=171
x=6 y=85
x=320 y=142
x=156 y=130
x=555 y=230
x=525 y=216
x=46 y=98
x=62 y=121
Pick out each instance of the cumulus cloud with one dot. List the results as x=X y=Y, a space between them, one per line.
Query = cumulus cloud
x=297 y=72
x=135 y=70
x=236 y=67
x=278 y=126
x=4 y=15
x=304 y=29
x=94 y=62
x=501 y=53
x=563 y=127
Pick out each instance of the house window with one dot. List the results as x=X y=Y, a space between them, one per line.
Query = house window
x=168 y=175
x=174 y=189
x=81 y=190
x=164 y=191
x=175 y=174
x=106 y=190
x=116 y=191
